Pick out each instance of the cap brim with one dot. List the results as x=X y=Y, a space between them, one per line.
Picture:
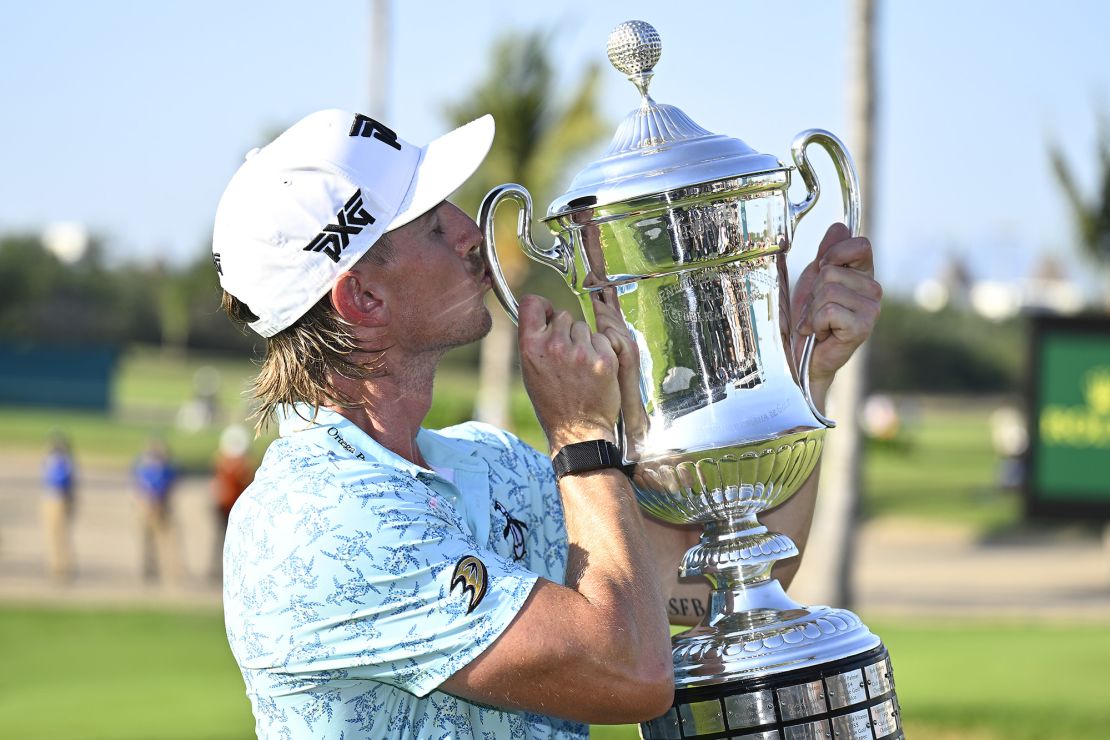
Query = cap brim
x=445 y=164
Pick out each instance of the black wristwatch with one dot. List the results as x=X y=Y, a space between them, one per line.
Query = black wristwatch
x=582 y=457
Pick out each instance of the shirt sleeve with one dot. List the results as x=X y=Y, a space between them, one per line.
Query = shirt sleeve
x=398 y=590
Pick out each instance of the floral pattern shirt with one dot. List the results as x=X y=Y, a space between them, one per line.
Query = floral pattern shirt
x=356 y=582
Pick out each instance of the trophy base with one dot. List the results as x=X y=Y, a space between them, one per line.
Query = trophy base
x=849 y=698
x=758 y=630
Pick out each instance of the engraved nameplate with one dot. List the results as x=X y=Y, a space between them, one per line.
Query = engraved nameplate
x=750 y=710
x=854 y=726
x=846 y=689
x=884 y=719
x=878 y=679
x=804 y=700
x=809 y=731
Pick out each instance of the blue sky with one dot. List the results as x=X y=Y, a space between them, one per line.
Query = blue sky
x=132 y=116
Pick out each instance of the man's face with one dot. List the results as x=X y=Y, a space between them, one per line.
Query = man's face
x=437 y=282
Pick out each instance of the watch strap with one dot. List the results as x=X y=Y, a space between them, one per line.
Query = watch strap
x=582 y=457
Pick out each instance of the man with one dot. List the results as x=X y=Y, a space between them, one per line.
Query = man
x=58 y=507
x=384 y=580
x=232 y=472
x=155 y=478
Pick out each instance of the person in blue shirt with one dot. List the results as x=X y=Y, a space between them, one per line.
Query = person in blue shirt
x=58 y=504
x=154 y=477
x=383 y=580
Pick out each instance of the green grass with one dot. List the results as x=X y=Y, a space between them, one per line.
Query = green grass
x=120 y=675
x=1015 y=681
x=151 y=675
x=943 y=468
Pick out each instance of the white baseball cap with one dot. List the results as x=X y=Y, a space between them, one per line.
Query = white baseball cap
x=303 y=209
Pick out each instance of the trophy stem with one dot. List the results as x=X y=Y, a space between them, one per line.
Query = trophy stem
x=736 y=553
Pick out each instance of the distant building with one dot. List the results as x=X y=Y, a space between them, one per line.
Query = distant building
x=1048 y=288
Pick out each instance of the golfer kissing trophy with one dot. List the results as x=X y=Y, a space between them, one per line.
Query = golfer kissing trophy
x=684 y=234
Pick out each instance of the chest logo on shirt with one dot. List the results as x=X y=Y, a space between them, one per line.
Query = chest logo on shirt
x=513 y=528
x=470 y=573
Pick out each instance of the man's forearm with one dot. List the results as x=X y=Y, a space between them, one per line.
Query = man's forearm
x=793 y=519
x=609 y=555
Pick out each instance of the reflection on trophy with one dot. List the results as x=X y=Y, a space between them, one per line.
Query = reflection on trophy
x=685 y=233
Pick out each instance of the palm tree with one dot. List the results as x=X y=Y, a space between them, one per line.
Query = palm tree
x=828 y=579
x=1091 y=216
x=538 y=132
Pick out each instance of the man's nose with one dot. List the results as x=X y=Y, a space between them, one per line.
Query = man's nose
x=468 y=235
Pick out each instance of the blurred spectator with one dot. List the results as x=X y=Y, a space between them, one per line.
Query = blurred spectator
x=57 y=507
x=233 y=472
x=155 y=478
x=880 y=418
x=203 y=409
x=1010 y=438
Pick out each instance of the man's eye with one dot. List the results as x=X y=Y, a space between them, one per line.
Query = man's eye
x=438 y=230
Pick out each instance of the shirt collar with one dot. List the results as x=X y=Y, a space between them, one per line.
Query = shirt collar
x=333 y=431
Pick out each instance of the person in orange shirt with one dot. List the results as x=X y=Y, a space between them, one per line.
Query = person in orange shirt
x=233 y=472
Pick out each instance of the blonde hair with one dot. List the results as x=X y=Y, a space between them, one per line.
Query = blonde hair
x=302 y=357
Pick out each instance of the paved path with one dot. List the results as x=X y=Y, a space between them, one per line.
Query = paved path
x=905 y=568
x=105 y=541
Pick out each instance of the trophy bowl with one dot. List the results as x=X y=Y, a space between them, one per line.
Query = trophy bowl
x=683 y=234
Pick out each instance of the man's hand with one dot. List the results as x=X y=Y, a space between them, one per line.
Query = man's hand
x=837 y=301
x=570 y=374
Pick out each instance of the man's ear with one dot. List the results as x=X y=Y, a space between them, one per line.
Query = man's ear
x=357 y=298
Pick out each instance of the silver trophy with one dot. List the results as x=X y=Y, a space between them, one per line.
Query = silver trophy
x=685 y=234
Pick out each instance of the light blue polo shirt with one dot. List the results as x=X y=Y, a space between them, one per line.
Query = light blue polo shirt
x=356 y=582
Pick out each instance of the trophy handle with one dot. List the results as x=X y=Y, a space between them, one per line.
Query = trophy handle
x=555 y=258
x=849 y=188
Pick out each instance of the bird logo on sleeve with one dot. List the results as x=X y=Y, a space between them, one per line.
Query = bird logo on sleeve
x=470 y=573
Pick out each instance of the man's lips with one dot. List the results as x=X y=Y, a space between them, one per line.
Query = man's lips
x=481 y=273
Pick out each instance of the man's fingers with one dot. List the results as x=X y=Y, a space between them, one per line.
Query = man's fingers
x=847 y=325
x=855 y=253
x=607 y=315
x=619 y=340
x=837 y=261
x=845 y=278
x=560 y=323
x=838 y=232
x=534 y=313
x=847 y=315
x=603 y=347
x=580 y=334
x=627 y=353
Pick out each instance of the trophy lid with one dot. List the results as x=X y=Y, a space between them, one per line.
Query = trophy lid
x=657 y=147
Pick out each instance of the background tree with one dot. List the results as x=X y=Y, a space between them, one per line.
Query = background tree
x=828 y=579
x=540 y=133
x=1091 y=216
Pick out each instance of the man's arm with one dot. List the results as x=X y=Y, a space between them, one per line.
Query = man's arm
x=597 y=649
